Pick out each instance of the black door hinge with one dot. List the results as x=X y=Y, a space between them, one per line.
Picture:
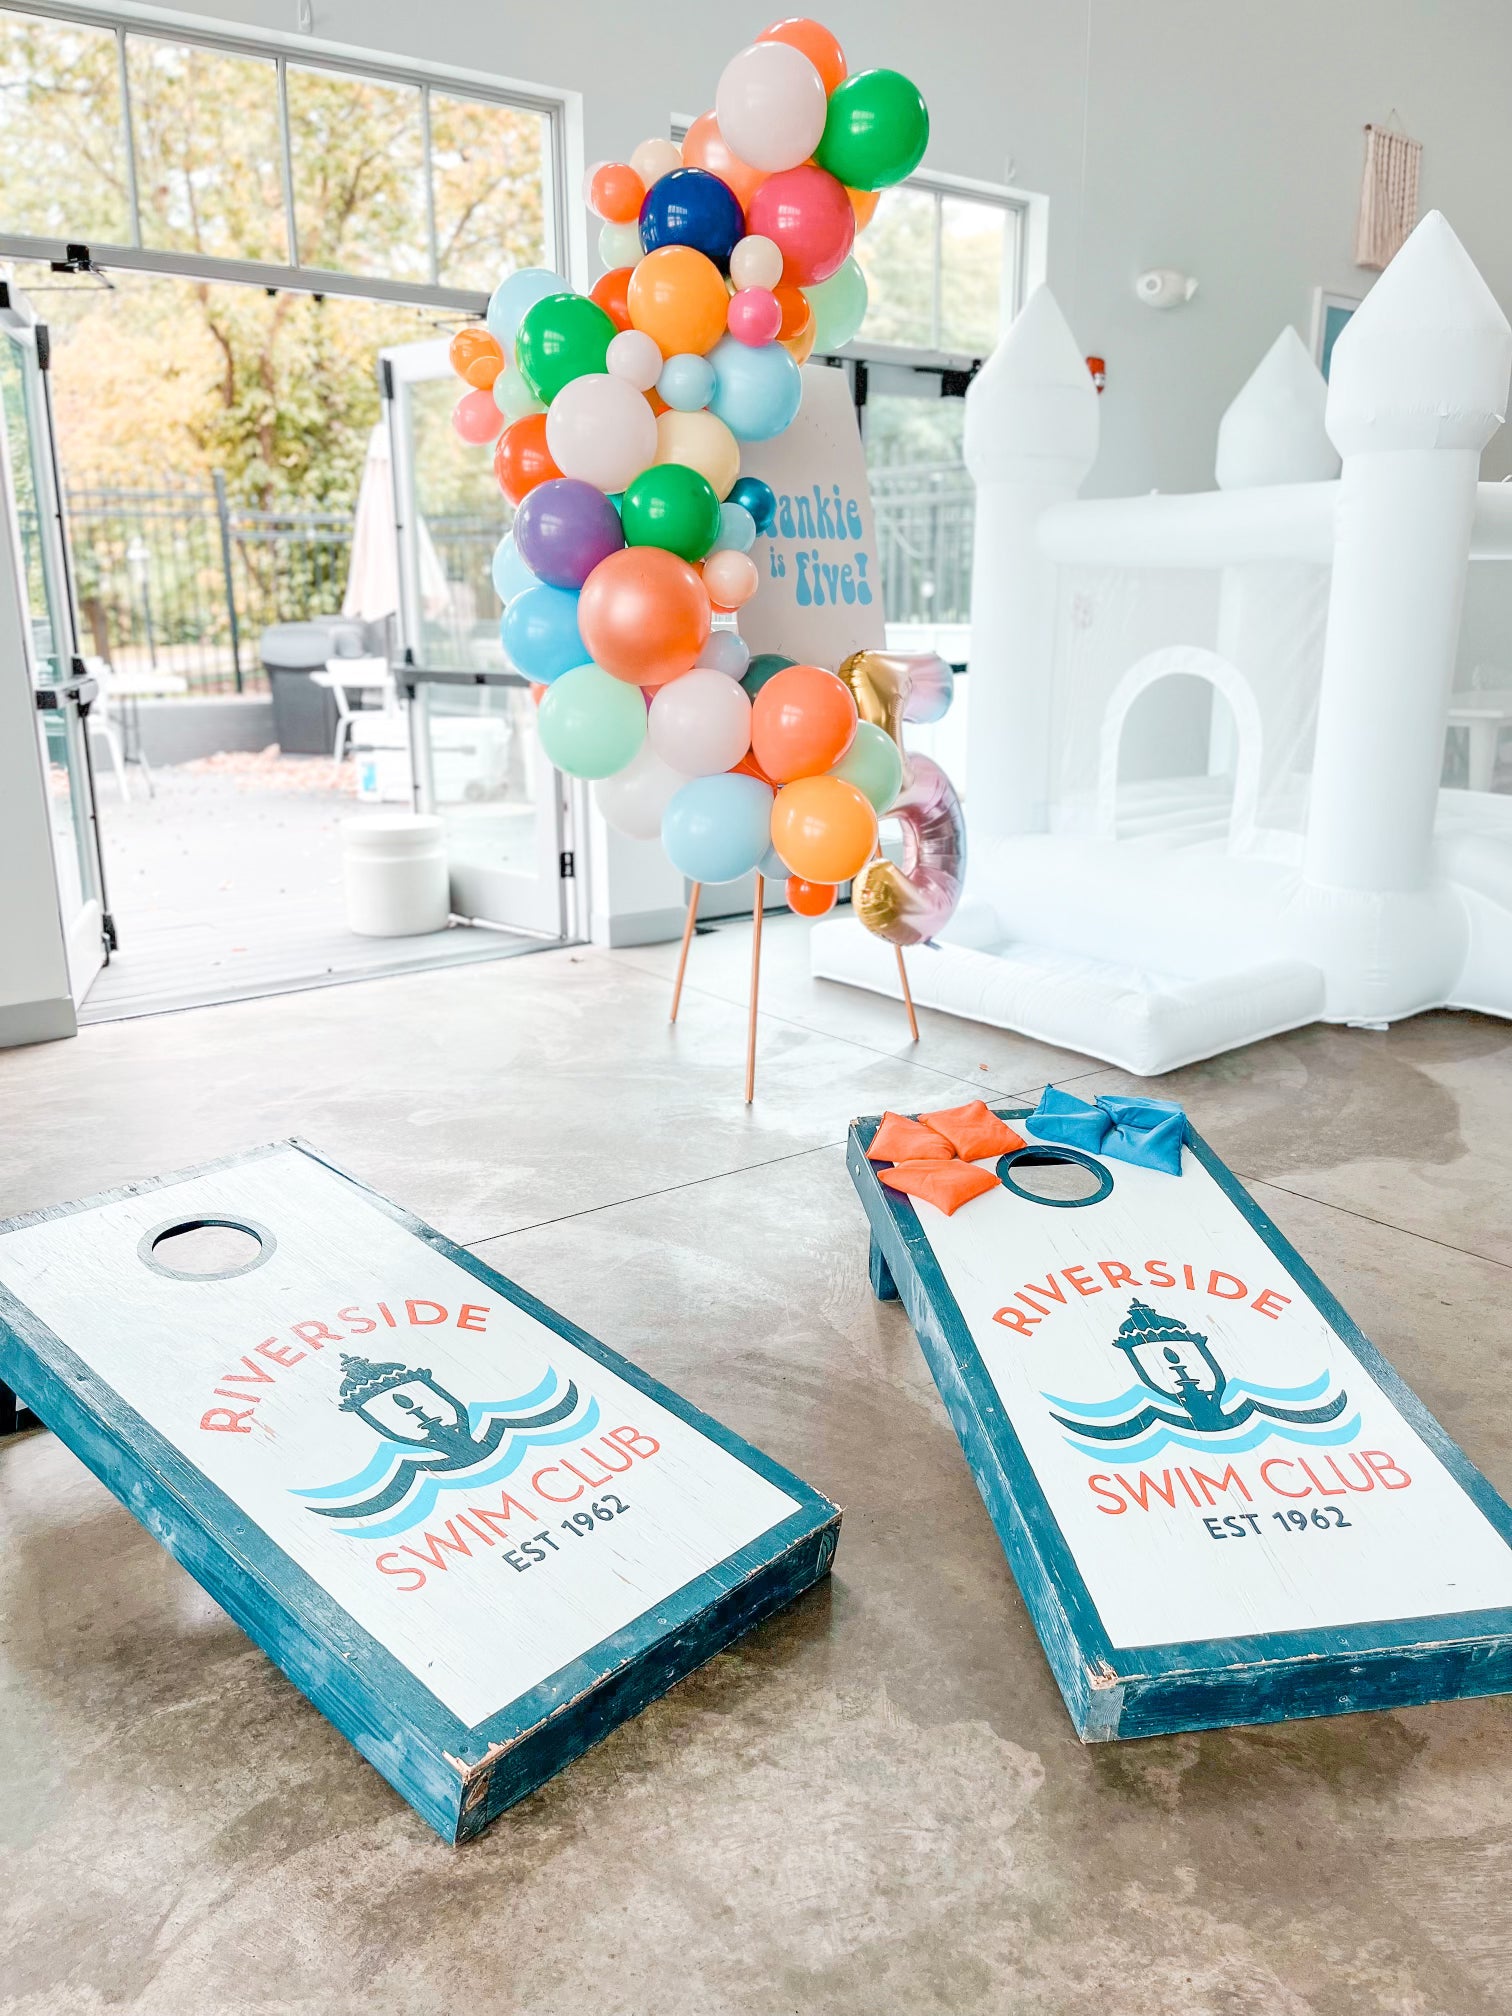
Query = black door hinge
x=44 y=347
x=567 y=865
x=108 y=933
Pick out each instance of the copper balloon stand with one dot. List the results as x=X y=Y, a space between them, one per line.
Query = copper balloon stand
x=758 y=909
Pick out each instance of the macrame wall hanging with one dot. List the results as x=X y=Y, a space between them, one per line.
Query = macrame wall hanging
x=1388 y=195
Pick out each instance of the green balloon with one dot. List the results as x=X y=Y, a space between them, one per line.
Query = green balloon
x=671 y=506
x=876 y=130
x=563 y=336
x=765 y=665
x=873 y=763
x=591 y=725
x=839 y=306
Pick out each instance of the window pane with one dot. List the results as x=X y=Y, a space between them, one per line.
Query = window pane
x=922 y=498
x=458 y=520
x=62 y=161
x=490 y=170
x=359 y=175
x=896 y=252
x=205 y=128
x=974 y=241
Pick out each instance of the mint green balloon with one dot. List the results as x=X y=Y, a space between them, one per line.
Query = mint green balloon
x=590 y=724
x=873 y=763
x=839 y=306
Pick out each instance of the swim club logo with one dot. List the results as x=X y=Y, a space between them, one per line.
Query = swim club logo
x=1197 y=1405
x=430 y=1442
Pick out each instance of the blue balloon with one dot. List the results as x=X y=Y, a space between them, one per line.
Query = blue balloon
x=511 y=576
x=759 y=498
x=540 y=633
x=757 y=388
x=516 y=293
x=737 y=529
x=717 y=829
x=726 y=651
x=692 y=207
x=686 y=382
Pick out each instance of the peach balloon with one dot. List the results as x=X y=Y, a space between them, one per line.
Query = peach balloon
x=815 y=41
x=616 y=193
x=824 y=829
x=802 y=723
x=644 y=616
x=730 y=578
x=705 y=148
x=476 y=357
x=801 y=347
x=701 y=441
x=679 y=298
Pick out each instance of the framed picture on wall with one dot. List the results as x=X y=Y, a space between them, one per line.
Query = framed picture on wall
x=1329 y=314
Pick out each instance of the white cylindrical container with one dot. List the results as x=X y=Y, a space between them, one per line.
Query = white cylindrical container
x=394 y=868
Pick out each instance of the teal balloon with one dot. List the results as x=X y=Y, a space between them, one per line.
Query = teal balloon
x=590 y=724
x=737 y=529
x=765 y=665
x=511 y=576
x=758 y=388
x=516 y=293
x=839 y=306
x=874 y=764
x=717 y=829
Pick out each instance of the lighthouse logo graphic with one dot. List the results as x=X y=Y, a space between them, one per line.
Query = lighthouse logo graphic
x=430 y=1441
x=1183 y=1395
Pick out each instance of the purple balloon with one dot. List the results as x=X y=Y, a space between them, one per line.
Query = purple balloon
x=564 y=528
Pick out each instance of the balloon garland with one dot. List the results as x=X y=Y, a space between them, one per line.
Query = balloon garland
x=616 y=420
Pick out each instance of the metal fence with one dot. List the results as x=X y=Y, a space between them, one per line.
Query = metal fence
x=174 y=577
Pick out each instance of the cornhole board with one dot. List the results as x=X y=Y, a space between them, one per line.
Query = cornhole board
x=476 y=1538
x=1284 y=1530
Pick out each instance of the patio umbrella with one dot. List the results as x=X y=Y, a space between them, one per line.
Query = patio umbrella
x=372 y=590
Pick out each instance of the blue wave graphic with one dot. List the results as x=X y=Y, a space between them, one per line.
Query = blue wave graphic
x=1312 y=1389
x=505 y=1464
x=479 y=1410
x=1218 y=1445
x=1234 y=1389
x=1102 y=1410
x=388 y=1455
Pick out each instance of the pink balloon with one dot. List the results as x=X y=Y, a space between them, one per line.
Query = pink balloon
x=771 y=106
x=918 y=898
x=755 y=315
x=477 y=419
x=730 y=577
x=700 y=724
x=808 y=216
x=600 y=430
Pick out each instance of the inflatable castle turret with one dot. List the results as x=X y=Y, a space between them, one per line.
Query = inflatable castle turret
x=1343 y=882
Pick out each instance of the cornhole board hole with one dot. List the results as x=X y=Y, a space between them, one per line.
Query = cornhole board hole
x=474 y=1537
x=1219 y=1501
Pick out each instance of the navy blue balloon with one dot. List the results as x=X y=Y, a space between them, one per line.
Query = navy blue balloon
x=692 y=207
x=759 y=498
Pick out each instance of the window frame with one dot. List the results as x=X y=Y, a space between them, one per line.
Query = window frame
x=560 y=112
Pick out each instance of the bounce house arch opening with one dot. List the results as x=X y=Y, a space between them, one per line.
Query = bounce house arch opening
x=1243 y=738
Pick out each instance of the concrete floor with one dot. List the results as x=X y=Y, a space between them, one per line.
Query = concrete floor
x=876 y=1803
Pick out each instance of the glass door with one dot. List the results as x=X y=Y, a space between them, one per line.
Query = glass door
x=475 y=756
x=63 y=691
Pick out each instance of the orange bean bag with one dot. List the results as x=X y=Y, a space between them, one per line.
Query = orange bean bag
x=973 y=1131
x=946 y=1185
x=900 y=1140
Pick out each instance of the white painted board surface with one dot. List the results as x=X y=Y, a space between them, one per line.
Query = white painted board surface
x=246 y=1377
x=1265 y=1524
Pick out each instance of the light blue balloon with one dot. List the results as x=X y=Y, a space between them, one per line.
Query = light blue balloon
x=540 y=633
x=726 y=651
x=757 y=388
x=511 y=576
x=717 y=829
x=686 y=382
x=516 y=293
x=737 y=529
x=772 y=866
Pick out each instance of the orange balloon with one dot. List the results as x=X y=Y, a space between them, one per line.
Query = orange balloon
x=797 y=311
x=801 y=347
x=816 y=42
x=749 y=767
x=616 y=193
x=802 y=722
x=679 y=298
x=864 y=202
x=810 y=899
x=609 y=292
x=644 y=615
x=522 y=459
x=476 y=357
x=705 y=148
x=537 y=691
x=823 y=828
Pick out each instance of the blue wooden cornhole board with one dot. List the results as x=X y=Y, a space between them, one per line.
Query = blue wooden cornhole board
x=1221 y=1504
x=477 y=1539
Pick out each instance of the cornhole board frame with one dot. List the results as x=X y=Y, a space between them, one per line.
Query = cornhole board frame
x=457 y=1778
x=1117 y=1692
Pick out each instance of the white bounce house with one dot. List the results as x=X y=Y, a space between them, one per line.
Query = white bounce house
x=1311 y=867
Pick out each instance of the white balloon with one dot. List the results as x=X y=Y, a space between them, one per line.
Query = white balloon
x=756 y=262
x=701 y=723
x=727 y=652
x=634 y=800
x=633 y=356
x=655 y=158
x=770 y=106
x=601 y=430
x=619 y=245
